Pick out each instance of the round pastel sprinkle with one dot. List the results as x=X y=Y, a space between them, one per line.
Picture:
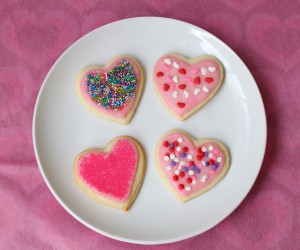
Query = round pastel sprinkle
x=177 y=172
x=206 y=154
x=199 y=165
x=167 y=61
x=197 y=170
x=214 y=167
x=166 y=158
x=182 y=163
x=219 y=159
x=178 y=149
x=171 y=145
x=173 y=163
x=204 y=149
x=210 y=155
x=180 y=140
x=177 y=154
x=172 y=156
x=188 y=188
x=168 y=168
x=212 y=171
x=182 y=154
x=176 y=160
x=185 y=169
x=211 y=147
x=191 y=172
x=203 y=180
x=194 y=182
x=193 y=167
x=216 y=151
x=189 y=157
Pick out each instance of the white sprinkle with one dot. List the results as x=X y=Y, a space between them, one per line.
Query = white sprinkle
x=177 y=171
x=191 y=172
x=166 y=158
x=210 y=155
x=188 y=188
x=219 y=159
x=180 y=140
x=167 y=61
x=211 y=147
x=186 y=94
x=174 y=94
x=178 y=149
x=179 y=167
x=175 y=79
x=172 y=156
x=203 y=180
x=197 y=91
x=189 y=157
x=168 y=168
x=212 y=69
x=205 y=89
x=205 y=176
x=204 y=149
x=182 y=163
x=194 y=182
x=203 y=163
x=176 y=160
x=203 y=71
x=176 y=65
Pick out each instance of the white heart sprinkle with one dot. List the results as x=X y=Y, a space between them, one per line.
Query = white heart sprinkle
x=167 y=61
x=205 y=89
x=174 y=94
x=197 y=91
x=203 y=71
x=175 y=79
x=176 y=65
x=168 y=168
x=188 y=188
x=219 y=159
x=186 y=94
x=212 y=69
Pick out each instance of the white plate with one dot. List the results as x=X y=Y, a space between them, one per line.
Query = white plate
x=62 y=128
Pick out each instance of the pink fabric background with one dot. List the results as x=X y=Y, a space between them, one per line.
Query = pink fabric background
x=264 y=33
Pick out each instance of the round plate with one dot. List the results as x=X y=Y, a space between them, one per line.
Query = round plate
x=63 y=127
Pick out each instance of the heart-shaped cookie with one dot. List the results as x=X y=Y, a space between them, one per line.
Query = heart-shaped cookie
x=190 y=167
x=183 y=85
x=112 y=91
x=112 y=175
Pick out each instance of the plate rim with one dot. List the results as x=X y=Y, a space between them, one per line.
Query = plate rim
x=121 y=238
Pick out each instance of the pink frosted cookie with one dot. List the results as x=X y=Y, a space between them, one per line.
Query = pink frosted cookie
x=112 y=175
x=112 y=91
x=183 y=85
x=190 y=167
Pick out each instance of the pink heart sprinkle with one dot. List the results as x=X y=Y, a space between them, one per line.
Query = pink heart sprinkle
x=214 y=157
x=199 y=165
x=177 y=154
x=187 y=79
x=169 y=79
x=191 y=100
x=172 y=86
x=167 y=68
x=187 y=164
x=194 y=71
x=216 y=151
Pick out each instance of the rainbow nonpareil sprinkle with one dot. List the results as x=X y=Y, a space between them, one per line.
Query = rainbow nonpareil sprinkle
x=113 y=89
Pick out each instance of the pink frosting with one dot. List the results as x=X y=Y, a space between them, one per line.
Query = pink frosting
x=116 y=113
x=170 y=171
x=187 y=96
x=110 y=174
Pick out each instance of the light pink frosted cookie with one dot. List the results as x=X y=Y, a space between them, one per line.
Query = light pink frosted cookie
x=185 y=85
x=112 y=175
x=190 y=167
x=112 y=91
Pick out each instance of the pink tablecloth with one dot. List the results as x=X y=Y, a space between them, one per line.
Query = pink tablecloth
x=264 y=33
